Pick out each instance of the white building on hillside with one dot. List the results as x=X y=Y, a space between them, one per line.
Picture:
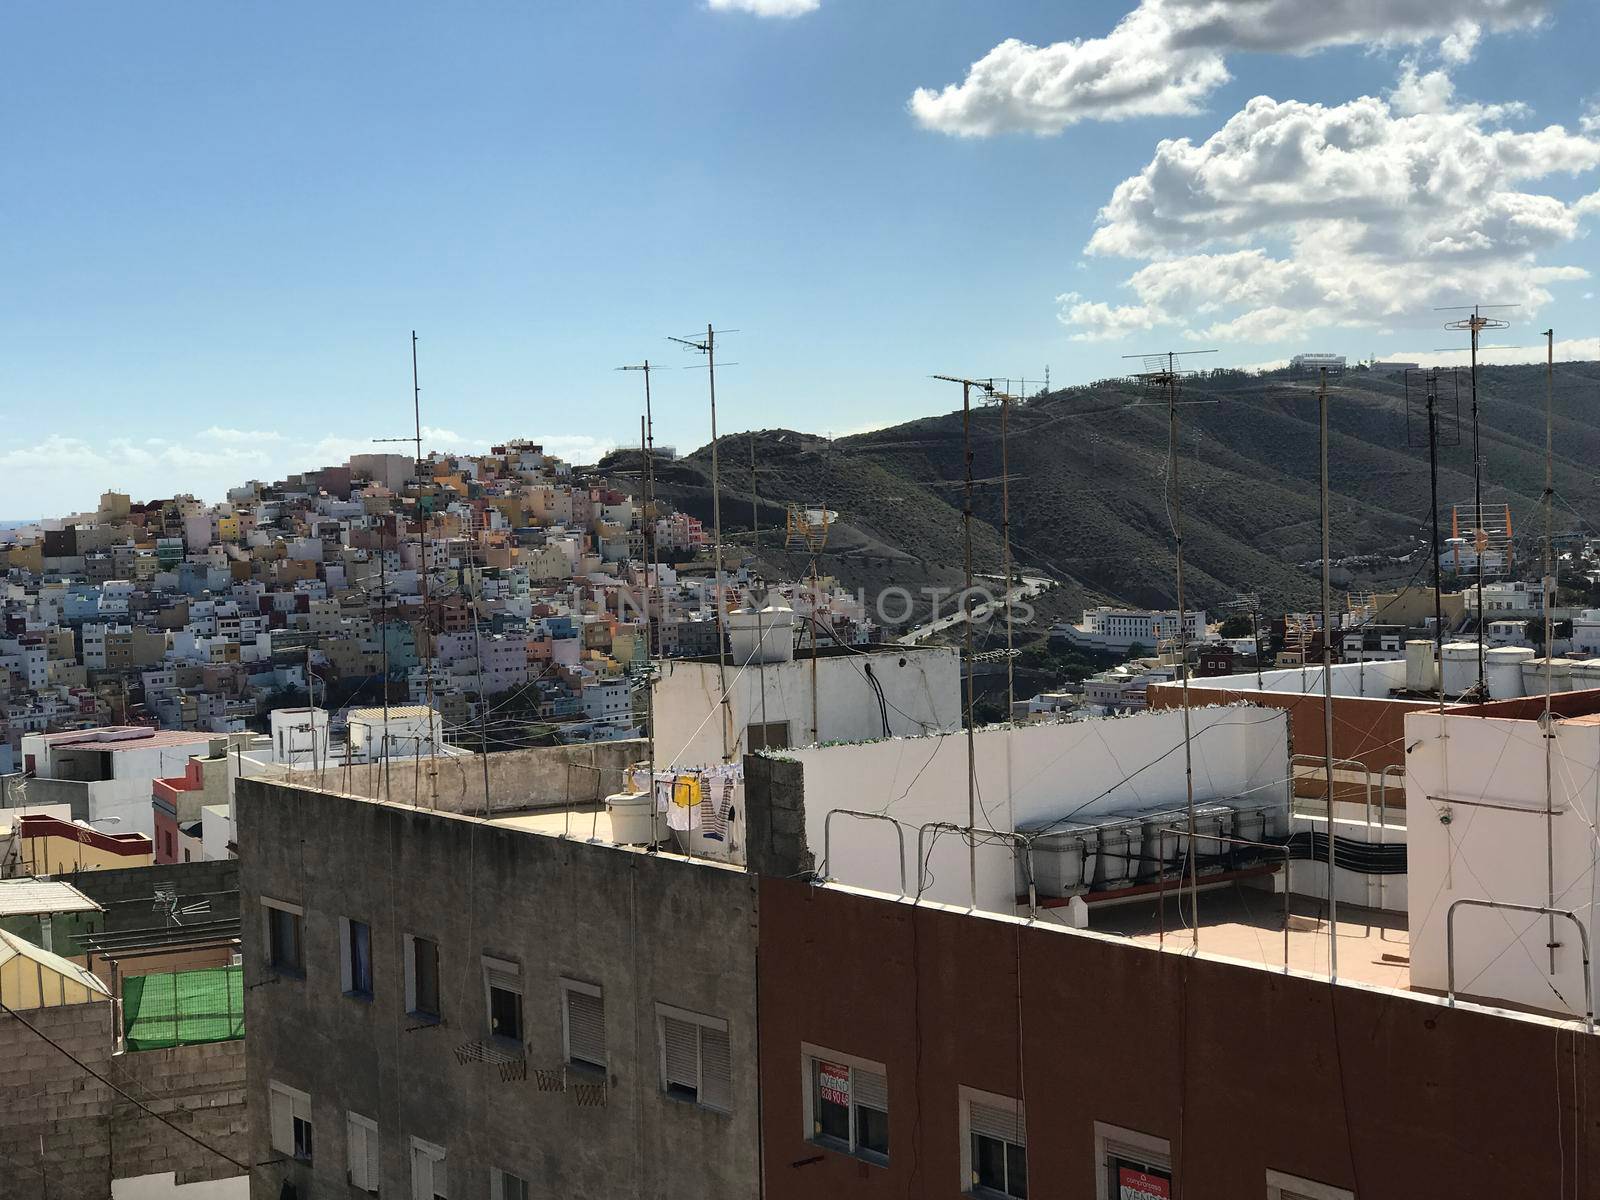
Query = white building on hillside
x=1116 y=630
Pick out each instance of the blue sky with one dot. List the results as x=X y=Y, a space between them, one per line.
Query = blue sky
x=221 y=222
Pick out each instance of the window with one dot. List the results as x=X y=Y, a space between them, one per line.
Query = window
x=847 y=1102
x=774 y=735
x=503 y=1185
x=1290 y=1187
x=995 y=1153
x=284 y=923
x=696 y=1065
x=355 y=958
x=427 y=1171
x=1132 y=1166
x=502 y=983
x=361 y=1152
x=583 y=1011
x=290 y=1112
x=422 y=977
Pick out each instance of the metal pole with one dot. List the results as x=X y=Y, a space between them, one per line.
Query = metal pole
x=1432 y=384
x=1005 y=538
x=1183 y=646
x=425 y=651
x=383 y=611
x=1327 y=684
x=649 y=666
x=716 y=526
x=1549 y=589
x=1478 y=538
x=966 y=600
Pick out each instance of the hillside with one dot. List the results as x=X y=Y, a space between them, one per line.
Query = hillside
x=1088 y=476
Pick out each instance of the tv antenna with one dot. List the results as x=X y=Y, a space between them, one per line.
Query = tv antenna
x=1005 y=399
x=707 y=345
x=987 y=387
x=1161 y=374
x=1433 y=419
x=425 y=652
x=647 y=519
x=1474 y=325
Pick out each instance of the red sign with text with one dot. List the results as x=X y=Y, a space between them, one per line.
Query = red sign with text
x=1141 y=1185
x=835 y=1081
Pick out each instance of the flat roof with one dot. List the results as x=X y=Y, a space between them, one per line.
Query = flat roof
x=138 y=738
x=804 y=653
x=398 y=712
x=1246 y=923
x=35 y=897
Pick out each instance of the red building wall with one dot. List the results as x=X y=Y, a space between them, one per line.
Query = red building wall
x=1241 y=1069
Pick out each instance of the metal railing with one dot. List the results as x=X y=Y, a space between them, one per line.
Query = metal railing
x=1505 y=905
x=899 y=834
x=1161 y=878
x=972 y=832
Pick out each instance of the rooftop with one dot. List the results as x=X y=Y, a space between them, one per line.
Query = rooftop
x=405 y=712
x=35 y=897
x=136 y=737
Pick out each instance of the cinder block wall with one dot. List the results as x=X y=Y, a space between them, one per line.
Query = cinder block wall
x=63 y=1133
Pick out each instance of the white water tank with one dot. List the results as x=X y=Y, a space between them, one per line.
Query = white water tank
x=1504 y=671
x=1420 y=675
x=1533 y=672
x=1586 y=675
x=761 y=635
x=635 y=820
x=1460 y=669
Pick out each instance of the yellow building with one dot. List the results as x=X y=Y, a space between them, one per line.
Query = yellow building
x=227 y=529
x=50 y=846
x=31 y=977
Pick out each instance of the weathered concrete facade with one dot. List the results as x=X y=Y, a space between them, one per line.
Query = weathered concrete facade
x=90 y=1135
x=646 y=929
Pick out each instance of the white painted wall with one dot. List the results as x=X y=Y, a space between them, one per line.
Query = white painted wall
x=1371 y=679
x=1499 y=853
x=1028 y=774
x=922 y=687
x=165 y=1186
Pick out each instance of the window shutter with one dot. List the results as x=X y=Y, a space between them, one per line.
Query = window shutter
x=411 y=973
x=870 y=1088
x=506 y=976
x=346 y=967
x=282 y=1121
x=716 y=1069
x=586 y=1027
x=998 y=1123
x=374 y=1166
x=681 y=1054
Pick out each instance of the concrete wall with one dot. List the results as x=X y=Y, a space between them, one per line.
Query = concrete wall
x=922 y=687
x=1499 y=853
x=1241 y=1070
x=91 y=1136
x=1032 y=773
x=1367 y=731
x=646 y=928
x=544 y=777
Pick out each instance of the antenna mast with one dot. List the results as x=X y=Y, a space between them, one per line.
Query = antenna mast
x=1549 y=589
x=1161 y=373
x=1474 y=325
x=647 y=446
x=708 y=347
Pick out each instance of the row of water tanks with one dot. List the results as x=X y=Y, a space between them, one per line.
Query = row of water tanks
x=1122 y=850
x=1509 y=671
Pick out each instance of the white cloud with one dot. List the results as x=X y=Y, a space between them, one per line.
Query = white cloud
x=1166 y=56
x=1296 y=216
x=767 y=8
x=218 y=433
